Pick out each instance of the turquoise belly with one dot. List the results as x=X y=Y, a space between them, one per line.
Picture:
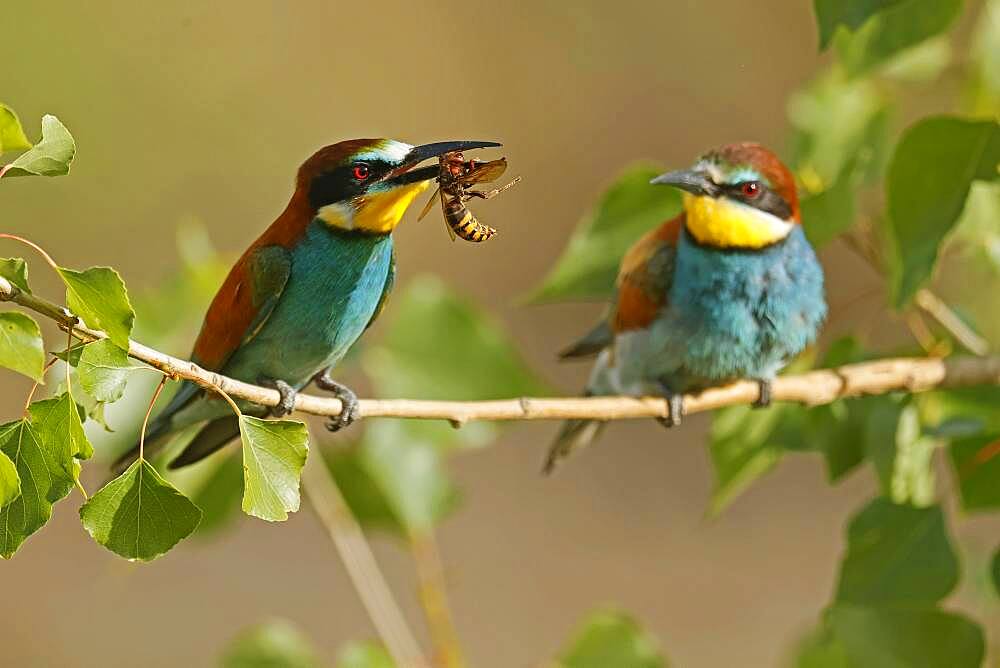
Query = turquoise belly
x=739 y=314
x=335 y=285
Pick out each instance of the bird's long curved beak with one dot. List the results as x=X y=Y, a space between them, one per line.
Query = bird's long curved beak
x=694 y=181
x=406 y=173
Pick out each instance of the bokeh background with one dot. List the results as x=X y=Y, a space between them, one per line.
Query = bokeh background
x=192 y=111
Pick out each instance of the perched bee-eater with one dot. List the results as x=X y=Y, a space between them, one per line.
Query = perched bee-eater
x=730 y=289
x=306 y=290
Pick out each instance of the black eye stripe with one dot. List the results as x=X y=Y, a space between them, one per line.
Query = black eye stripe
x=766 y=199
x=340 y=184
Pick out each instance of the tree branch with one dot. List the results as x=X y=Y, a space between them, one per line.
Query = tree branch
x=813 y=388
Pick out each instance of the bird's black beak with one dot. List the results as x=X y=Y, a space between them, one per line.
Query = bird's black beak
x=696 y=182
x=406 y=174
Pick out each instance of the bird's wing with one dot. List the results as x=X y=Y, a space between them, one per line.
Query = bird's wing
x=645 y=277
x=591 y=343
x=243 y=304
x=390 y=280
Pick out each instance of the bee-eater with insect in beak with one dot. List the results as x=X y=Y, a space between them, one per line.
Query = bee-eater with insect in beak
x=305 y=291
x=730 y=289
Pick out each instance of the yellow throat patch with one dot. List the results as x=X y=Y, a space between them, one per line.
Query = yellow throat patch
x=377 y=213
x=723 y=223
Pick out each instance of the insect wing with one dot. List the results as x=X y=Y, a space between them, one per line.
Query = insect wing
x=484 y=172
x=427 y=207
x=444 y=210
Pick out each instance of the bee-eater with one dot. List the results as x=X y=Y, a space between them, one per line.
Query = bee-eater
x=306 y=289
x=729 y=289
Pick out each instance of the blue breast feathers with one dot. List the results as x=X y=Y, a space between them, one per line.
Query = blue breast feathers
x=334 y=288
x=738 y=314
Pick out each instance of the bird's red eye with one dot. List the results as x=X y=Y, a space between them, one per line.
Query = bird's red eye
x=750 y=189
x=361 y=172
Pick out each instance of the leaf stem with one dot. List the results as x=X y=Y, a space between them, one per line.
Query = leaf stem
x=36 y=247
x=69 y=345
x=149 y=411
x=34 y=388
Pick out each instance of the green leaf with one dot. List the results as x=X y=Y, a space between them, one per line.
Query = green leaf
x=10 y=483
x=922 y=63
x=12 y=137
x=49 y=157
x=612 y=639
x=589 y=265
x=59 y=424
x=841 y=130
x=831 y=14
x=409 y=473
x=971 y=408
x=274 y=644
x=929 y=178
x=98 y=296
x=364 y=655
x=821 y=650
x=139 y=515
x=897 y=555
x=21 y=345
x=976 y=464
x=15 y=270
x=984 y=79
x=743 y=447
x=44 y=481
x=995 y=571
x=903 y=25
x=837 y=430
x=274 y=452
x=827 y=215
x=901 y=452
x=72 y=354
x=362 y=494
x=905 y=637
x=103 y=370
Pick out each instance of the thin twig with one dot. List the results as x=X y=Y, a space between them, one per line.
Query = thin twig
x=813 y=388
x=434 y=598
x=925 y=300
x=361 y=565
x=936 y=308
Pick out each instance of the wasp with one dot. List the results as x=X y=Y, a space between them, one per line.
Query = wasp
x=454 y=181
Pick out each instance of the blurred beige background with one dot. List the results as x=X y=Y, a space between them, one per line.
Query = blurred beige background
x=192 y=109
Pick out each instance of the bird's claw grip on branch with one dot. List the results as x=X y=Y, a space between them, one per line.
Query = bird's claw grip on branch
x=348 y=401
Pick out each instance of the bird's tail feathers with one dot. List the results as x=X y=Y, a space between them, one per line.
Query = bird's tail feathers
x=574 y=435
x=212 y=437
x=593 y=342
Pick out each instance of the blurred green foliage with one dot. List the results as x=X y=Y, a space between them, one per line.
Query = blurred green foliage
x=611 y=639
x=589 y=265
x=273 y=644
x=922 y=196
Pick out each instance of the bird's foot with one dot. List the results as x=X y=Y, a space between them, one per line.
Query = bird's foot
x=764 y=395
x=348 y=399
x=676 y=402
x=288 y=393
